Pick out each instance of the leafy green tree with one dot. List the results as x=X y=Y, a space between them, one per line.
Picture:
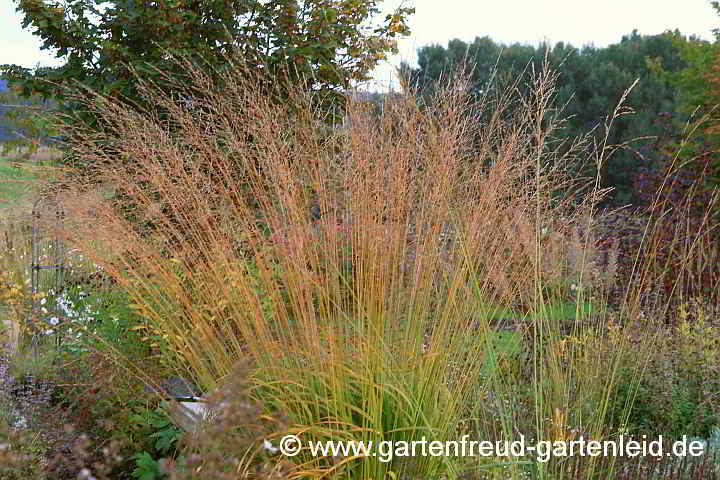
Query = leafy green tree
x=323 y=45
x=591 y=82
x=698 y=86
x=327 y=40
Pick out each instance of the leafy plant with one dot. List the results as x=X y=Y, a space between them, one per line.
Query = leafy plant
x=677 y=395
x=164 y=432
x=100 y=318
x=147 y=468
x=164 y=437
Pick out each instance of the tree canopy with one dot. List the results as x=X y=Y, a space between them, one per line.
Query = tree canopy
x=323 y=45
x=591 y=82
x=330 y=41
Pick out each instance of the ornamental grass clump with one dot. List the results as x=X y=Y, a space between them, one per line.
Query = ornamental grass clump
x=366 y=270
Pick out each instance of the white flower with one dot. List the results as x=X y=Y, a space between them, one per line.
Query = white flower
x=86 y=474
x=43 y=310
x=21 y=422
x=48 y=332
x=54 y=320
x=573 y=287
x=42 y=302
x=269 y=446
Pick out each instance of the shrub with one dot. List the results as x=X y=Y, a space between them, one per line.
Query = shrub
x=681 y=206
x=681 y=388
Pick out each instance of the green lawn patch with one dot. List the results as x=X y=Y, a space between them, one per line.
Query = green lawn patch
x=16 y=182
x=570 y=310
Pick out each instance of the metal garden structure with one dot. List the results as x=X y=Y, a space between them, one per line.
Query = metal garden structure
x=48 y=265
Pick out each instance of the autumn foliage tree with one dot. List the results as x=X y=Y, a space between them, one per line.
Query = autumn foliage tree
x=682 y=183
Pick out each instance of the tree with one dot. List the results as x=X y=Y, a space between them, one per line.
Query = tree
x=698 y=84
x=591 y=82
x=685 y=181
x=324 y=44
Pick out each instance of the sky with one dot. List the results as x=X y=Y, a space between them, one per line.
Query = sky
x=578 y=22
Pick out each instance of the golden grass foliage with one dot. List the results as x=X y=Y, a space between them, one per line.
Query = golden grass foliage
x=431 y=219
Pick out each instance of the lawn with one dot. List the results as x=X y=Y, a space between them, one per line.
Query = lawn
x=16 y=182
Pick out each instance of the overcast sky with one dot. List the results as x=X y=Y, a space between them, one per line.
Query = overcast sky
x=578 y=22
